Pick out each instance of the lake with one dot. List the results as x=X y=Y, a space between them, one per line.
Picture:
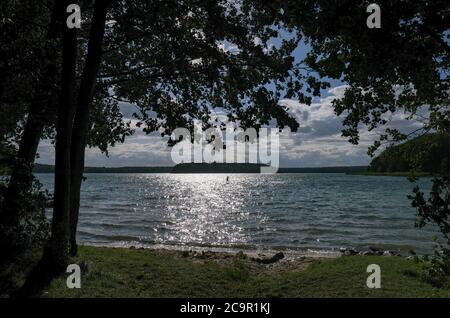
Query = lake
x=314 y=212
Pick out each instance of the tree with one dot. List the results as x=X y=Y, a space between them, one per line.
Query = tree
x=172 y=58
x=81 y=119
x=56 y=251
x=27 y=102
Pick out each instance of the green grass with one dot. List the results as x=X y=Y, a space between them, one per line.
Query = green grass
x=144 y=273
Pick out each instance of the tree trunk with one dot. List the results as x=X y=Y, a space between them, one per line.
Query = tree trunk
x=56 y=252
x=21 y=177
x=81 y=122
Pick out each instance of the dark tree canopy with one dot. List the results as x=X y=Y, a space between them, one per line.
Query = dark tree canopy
x=402 y=66
x=178 y=60
x=24 y=49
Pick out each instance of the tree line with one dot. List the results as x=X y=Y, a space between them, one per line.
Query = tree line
x=428 y=153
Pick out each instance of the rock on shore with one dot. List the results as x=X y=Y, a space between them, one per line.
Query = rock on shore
x=369 y=251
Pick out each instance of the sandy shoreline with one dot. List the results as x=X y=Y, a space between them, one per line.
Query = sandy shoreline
x=250 y=252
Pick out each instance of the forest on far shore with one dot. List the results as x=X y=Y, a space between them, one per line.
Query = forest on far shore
x=428 y=153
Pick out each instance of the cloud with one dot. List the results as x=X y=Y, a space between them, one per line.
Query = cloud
x=319 y=141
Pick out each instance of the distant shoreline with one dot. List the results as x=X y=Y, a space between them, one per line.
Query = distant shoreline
x=230 y=169
x=389 y=174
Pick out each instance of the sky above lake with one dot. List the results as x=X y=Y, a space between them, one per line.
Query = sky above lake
x=317 y=143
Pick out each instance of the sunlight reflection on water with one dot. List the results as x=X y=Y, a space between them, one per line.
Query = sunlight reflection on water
x=208 y=209
x=290 y=210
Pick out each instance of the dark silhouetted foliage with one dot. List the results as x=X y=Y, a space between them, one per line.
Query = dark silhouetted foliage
x=428 y=153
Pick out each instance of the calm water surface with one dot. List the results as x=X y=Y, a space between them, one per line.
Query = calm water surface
x=304 y=211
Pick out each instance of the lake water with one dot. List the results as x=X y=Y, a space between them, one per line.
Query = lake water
x=295 y=211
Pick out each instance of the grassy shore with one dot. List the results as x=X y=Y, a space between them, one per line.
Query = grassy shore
x=119 y=272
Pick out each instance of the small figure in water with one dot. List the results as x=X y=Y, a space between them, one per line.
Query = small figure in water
x=227 y=179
